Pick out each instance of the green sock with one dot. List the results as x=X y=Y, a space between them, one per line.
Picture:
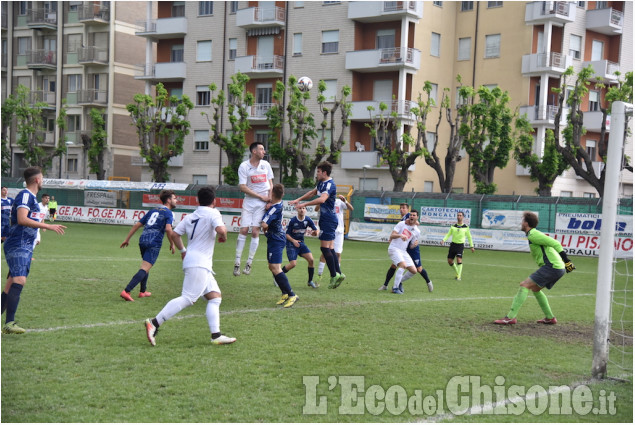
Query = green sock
x=460 y=267
x=456 y=269
x=519 y=299
x=544 y=304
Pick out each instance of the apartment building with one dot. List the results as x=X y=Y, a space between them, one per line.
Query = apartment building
x=85 y=54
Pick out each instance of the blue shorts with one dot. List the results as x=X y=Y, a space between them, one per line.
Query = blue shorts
x=18 y=260
x=327 y=229
x=293 y=252
x=150 y=253
x=546 y=276
x=274 y=251
x=415 y=255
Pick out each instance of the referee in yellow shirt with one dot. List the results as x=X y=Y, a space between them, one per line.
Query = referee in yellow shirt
x=458 y=232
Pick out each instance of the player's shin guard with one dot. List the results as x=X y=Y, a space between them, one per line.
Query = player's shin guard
x=253 y=247
x=240 y=245
x=407 y=275
x=456 y=269
x=543 y=302
x=330 y=260
x=335 y=261
x=283 y=284
x=13 y=299
x=519 y=299
x=138 y=277
x=172 y=308
x=144 y=283
x=212 y=312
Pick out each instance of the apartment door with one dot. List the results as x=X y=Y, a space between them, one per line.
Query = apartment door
x=597 y=50
x=265 y=52
x=263 y=99
x=382 y=91
x=541 y=42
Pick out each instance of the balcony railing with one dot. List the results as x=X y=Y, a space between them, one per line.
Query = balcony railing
x=41 y=96
x=592 y=121
x=92 y=97
x=360 y=112
x=93 y=54
x=606 y=21
x=554 y=62
x=40 y=18
x=543 y=114
x=395 y=6
x=37 y=59
x=263 y=66
x=603 y=70
x=259 y=111
x=46 y=137
x=163 y=27
x=163 y=71
x=254 y=17
x=387 y=59
x=93 y=12
x=559 y=12
x=381 y=11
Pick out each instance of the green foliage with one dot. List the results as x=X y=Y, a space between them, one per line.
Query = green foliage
x=162 y=125
x=308 y=183
x=97 y=143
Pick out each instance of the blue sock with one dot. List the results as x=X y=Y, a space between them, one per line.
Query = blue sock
x=4 y=301
x=284 y=269
x=311 y=271
x=329 y=260
x=424 y=273
x=144 y=283
x=337 y=263
x=13 y=299
x=138 y=277
x=283 y=284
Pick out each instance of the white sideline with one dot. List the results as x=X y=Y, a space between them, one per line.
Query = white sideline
x=301 y=306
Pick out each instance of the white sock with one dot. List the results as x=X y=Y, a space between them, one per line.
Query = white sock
x=321 y=268
x=172 y=308
x=407 y=275
x=398 y=276
x=213 y=314
x=253 y=247
x=240 y=245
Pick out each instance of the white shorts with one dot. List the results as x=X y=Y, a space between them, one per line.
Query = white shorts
x=399 y=256
x=252 y=214
x=197 y=282
x=338 y=243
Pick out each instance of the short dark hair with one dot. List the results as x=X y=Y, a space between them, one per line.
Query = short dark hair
x=45 y=195
x=460 y=212
x=413 y=211
x=326 y=167
x=254 y=145
x=206 y=196
x=165 y=195
x=31 y=172
x=531 y=219
x=277 y=191
x=404 y=203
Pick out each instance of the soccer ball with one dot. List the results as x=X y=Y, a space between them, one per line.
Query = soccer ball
x=305 y=84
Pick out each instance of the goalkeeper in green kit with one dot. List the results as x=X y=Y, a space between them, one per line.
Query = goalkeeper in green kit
x=458 y=232
x=553 y=262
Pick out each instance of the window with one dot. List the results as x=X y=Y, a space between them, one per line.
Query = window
x=201 y=140
x=492 y=45
x=205 y=8
x=434 y=93
x=233 y=46
x=327 y=136
x=330 y=41
x=178 y=9
x=200 y=179
x=73 y=5
x=601 y=4
x=597 y=50
x=465 y=47
x=591 y=149
x=385 y=39
x=24 y=45
x=74 y=82
x=594 y=101
x=575 y=46
x=566 y=193
x=203 y=51
x=435 y=45
x=438 y=3
x=430 y=139
x=202 y=96
x=177 y=91
x=22 y=8
x=71 y=164
x=428 y=186
x=369 y=183
x=297 y=44
x=490 y=87
x=263 y=95
x=460 y=100
x=298 y=4
x=582 y=4
x=74 y=123
x=177 y=53
x=233 y=6
x=588 y=195
x=494 y=4
x=331 y=90
x=74 y=42
x=467 y=5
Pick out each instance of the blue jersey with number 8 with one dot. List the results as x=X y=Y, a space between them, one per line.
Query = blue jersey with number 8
x=154 y=223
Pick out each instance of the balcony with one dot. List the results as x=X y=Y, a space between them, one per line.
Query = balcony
x=543 y=115
x=157 y=29
x=259 y=17
x=41 y=59
x=92 y=97
x=41 y=96
x=47 y=137
x=380 y=60
x=260 y=67
x=604 y=71
x=41 y=19
x=556 y=12
x=605 y=21
x=360 y=112
x=354 y=160
x=93 y=13
x=550 y=63
x=93 y=55
x=258 y=113
x=597 y=166
x=163 y=71
x=592 y=121
x=382 y=11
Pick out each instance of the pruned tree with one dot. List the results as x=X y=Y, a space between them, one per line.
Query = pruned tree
x=30 y=128
x=570 y=147
x=161 y=125
x=486 y=128
x=95 y=145
x=330 y=121
x=232 y=142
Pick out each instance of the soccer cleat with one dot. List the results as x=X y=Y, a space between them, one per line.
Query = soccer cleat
x=126 y=295
x=247 y=269
x=312 y=284
x=12 y=328
x=151 y=332
x=144 y=294
x=546 y=321
x=397 y=291
x=383 y=288
x=283 y=299
x=457 y=277
x=335 y=281
x=341 y=279
x=430 y=286
x=505 y=321
x=291 y=301
x=222 y=340
x=236 y=269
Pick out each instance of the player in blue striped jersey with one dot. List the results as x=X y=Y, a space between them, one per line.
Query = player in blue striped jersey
x=6 y=212
x=157 y=222
x=26 y=219
x=296 y=230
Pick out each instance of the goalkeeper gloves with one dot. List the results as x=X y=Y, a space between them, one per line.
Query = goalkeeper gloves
x=568 y=265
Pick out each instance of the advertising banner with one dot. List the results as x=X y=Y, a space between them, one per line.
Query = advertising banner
x=444 y=216
x=591 y=224
x=110 y=185
x=382 y=213
x=100 y=199
x=502 y=219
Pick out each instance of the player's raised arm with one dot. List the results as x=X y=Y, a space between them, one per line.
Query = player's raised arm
x=135 y=227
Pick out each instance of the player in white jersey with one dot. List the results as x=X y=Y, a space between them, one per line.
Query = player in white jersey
x=404 y=233
x=201 y=228
x=341 y=205
x=255 y=179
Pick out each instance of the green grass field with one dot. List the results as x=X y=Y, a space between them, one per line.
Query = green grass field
x=85 y=357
